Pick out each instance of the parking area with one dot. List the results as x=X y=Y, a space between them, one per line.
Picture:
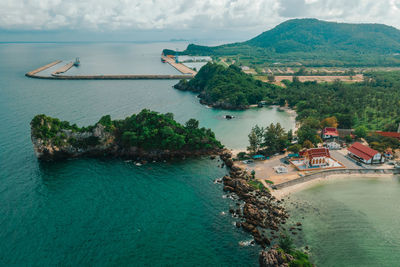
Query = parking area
x=265 y=169
x=341 y=155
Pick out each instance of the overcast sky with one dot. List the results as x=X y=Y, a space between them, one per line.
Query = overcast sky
x=202 y=19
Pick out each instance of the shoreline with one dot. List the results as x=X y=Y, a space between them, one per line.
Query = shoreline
x=280 y=193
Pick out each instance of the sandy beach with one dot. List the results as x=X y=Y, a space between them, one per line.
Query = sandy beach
x=329 y=179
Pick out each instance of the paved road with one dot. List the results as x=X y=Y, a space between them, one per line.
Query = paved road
x=343 y=159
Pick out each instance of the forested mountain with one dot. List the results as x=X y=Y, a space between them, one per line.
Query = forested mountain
x=317 y=43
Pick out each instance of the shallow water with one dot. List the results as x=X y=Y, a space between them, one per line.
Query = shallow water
x=350 y=222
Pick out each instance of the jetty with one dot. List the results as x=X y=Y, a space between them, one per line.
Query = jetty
x=33 y=72
x=59 y=74
x=178 y=66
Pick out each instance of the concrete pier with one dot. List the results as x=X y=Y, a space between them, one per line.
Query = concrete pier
x=63 y=69
x=31 y=73
x=180 y=67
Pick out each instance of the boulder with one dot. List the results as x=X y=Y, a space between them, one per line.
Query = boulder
x=228 y=189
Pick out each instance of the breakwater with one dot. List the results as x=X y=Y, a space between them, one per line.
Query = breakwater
x=112 y=77
x=56 y=75
x=325 y=174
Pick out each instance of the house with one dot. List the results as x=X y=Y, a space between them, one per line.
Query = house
x=333 y=145
x=330 y=132
x=389 y=134
x=317 y=157
x=365 y=154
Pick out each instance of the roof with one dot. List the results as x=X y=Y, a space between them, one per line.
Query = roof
x=362 y=151
x=258 y=157
x=389 y=134
x=330 y=131
x=318 y=152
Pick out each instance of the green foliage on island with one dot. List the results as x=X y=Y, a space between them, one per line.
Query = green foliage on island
x=228 y=88
x=151 y=130
x=147 y=130
x=312 y=42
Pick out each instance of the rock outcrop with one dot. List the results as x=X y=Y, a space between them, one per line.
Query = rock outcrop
x=274 y=257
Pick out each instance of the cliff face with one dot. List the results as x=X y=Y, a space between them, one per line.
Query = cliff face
x=62 y=147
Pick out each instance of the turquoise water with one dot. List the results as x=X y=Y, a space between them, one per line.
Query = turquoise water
x=102 y=212
x=351 y=222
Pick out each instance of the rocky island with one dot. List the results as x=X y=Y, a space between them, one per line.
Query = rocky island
x=147 y=135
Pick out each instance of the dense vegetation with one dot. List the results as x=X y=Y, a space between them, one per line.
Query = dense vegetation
x=374 y=103
x=228 y=88
x=315 y=43
x=147 y=130
x=269 y=140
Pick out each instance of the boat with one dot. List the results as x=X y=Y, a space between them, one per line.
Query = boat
x=77 y=62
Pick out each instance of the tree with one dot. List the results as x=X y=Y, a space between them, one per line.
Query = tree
x=271 y=78
x=361 y=131
x=255 y=139
x=329 y=122
x=295 y=148
x=305 y=132
x=192 y=124
x=254 y=145
x=308 y=144
x=311 y=122
x=348 y=139
x=275 y=138
x=290 y=135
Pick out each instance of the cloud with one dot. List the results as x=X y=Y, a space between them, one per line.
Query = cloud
x=204 y=15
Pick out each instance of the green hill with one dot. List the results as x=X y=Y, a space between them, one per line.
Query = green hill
x=315 y=43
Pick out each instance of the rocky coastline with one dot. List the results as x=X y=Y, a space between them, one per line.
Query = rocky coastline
x=259 y=213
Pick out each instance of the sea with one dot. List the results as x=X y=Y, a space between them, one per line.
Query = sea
x=110 y=212
x=106 y=212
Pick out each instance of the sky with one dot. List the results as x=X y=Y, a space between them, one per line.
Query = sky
x=149 y=20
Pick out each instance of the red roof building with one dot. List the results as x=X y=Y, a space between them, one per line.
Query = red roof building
x=365 y=154
x=389 y=134
x=317 y=156
x=330 y=132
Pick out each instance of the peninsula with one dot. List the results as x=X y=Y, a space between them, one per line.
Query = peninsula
x=147 y=135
